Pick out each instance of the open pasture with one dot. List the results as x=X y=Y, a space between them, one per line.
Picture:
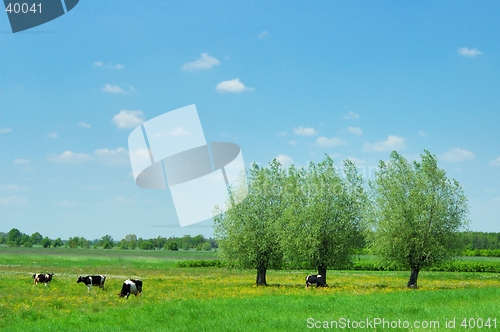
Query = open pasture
x=218 y=299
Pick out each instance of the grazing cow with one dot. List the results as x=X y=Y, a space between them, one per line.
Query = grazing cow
x=314 y=279
x=131 y=286
x=42 y=277
x=92 y=281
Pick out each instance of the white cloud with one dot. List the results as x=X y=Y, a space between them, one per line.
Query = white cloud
x=21 y=161
x=283 y=133
x=456 y=155
x=232 y=86
x=284 y=160
x=12 y=187
x=66 y=203
x=355 y=130
x=263 y=34
x=53 y=135
x=13 y=201
x=68 y=157
x=128 y=119
x=108 y=66
x=292 y=143
x=351 y=116
x=177 y=131
x=112 y=157
x=204 y=62
x=495 y=162
x=116 y=89
x=357 y=161
x=84 y=125
x=391 y=143
x=5 y=130
x=422 y=133
x=469 y=52
x=330 y=142
x=305 y=131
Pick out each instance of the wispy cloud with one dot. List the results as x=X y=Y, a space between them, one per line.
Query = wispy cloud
x=284 y=160
x=68 y=157
x=12 y=187
x=53 y=135
x=391 y=143
x=263 y=34
x=495 y=162
x=108 y=65
x=422 y=133
x=355 y=130
x=456 y=155
x=292 y=143
x=116 y=89
x=233 y=85
x=351 y=116
x=177 y=131
x=5 y=130
x=13 y=201
x=112 y=157
x=330 y=142
x=469 y=52
x=21 y=161
x=128 y=119
x=305 y=131
x=283 y=133
x=84 y=125
x=204 y=62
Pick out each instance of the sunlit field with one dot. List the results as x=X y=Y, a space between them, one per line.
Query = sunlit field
x=220 y=299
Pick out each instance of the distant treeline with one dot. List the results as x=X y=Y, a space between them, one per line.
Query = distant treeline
x=16 y=238
x=474 y=243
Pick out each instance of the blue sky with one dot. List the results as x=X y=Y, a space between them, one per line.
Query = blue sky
x=293 y=80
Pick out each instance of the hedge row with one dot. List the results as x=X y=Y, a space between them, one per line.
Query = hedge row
x=456 y=266
x=482 y=253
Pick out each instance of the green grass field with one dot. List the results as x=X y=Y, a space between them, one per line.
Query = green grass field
x=218 y=299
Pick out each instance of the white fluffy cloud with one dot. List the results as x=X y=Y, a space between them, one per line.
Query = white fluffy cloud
x=5 y=130
x=232 y=86
x=495 y=162
x=204 y=62
x=53 y=135
x=116 y=89
x=355 y=130
x=351 y=116
x=469 y=52
x=68 y=157
x=330 y=142
x=305 y=131
x=84 y=125
x=456 y=155
x=391 y=143
x=263 y=34
x=128 y=119
x=108 y=66
x=284 y=160
x=112 y=157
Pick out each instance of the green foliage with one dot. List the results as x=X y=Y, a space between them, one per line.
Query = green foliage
x=147 y=245
x=206 y=246
x=186 y=246
x=58 y=243
x=46 y=243
x=322 y=222
x=417 y=213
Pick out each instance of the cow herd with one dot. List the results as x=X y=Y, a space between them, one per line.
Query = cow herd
x=134 y=286
x=130 y=286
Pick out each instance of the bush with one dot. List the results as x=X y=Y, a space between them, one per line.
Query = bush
x=206 y=246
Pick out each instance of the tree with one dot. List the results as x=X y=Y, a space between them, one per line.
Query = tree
x=46 y=243
x=206 y=246
x=36 y=238
x=417 y=214
x=322 y=222
x=248 y=232
x=14 y=238
x=58 y=243
x=107 y=242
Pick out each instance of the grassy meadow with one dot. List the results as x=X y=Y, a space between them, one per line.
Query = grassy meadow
x=218 y=299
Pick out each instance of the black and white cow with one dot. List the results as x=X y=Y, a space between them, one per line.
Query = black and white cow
x=42 y=277
x=92 y=281
x=314 y=279
x=131 y=286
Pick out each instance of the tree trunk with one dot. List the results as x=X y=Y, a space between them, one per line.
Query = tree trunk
x=322 y=272
x=413 y=278
x=261 y=277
